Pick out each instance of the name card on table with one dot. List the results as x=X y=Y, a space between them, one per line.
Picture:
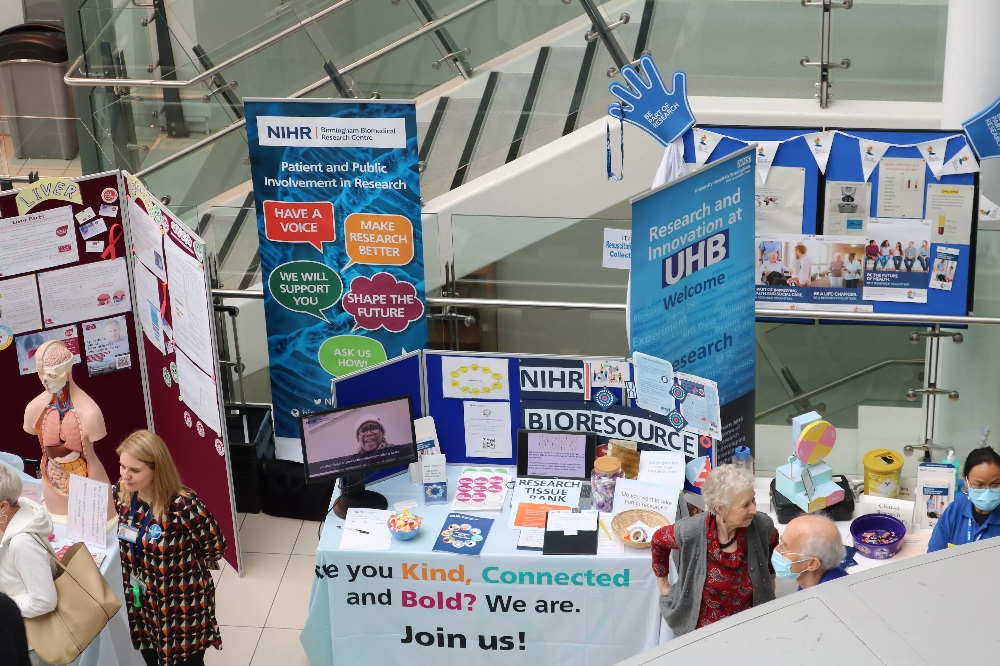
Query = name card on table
x=897 y=508
x=631 y=494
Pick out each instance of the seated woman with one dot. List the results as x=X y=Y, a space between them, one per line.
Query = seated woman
x=724 y=563
x=26 y=569
x=973 y=516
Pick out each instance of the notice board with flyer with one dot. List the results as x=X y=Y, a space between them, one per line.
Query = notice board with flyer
x=904 y=203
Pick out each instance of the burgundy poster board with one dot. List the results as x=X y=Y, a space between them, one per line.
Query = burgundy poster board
x=196 y=441
x=119 y=394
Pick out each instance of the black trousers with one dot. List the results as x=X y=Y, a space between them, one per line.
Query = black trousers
x=149 y=656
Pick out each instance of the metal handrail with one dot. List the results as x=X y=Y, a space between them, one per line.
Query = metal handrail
x=874 y=317
x=399 y=43
x=837 y=382
x=208 y=73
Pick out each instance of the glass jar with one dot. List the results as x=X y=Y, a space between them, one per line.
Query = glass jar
x=607 y=471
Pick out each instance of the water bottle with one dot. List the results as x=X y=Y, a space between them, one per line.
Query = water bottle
x=742 y=459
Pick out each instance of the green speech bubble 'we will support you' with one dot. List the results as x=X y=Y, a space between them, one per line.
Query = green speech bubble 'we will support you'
x=306 y=286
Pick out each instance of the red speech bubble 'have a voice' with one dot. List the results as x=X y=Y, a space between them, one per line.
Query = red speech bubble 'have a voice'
x=300 y=222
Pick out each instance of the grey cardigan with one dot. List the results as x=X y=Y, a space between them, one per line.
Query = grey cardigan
x=681 y=605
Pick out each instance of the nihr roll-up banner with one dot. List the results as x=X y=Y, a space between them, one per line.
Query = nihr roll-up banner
x=337 y=193
x=692 y=284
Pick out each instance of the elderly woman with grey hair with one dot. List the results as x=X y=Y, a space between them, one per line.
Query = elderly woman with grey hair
x=723 y=556
x=25 y=565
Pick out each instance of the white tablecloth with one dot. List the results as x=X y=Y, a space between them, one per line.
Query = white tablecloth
x=579 y=610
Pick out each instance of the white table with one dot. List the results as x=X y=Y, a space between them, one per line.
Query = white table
x=588 y=618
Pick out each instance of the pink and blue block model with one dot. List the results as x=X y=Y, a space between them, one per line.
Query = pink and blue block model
x=813 y=440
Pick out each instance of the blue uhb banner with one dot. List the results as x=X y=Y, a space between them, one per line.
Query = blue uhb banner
x=693 y=284
x=337 y=193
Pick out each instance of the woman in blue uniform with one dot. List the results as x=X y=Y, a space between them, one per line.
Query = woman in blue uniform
x=974 y=516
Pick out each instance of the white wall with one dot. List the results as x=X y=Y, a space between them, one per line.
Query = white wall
x=11 y=13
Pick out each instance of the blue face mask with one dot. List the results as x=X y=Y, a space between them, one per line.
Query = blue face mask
x=783 y=566
x=985 y=499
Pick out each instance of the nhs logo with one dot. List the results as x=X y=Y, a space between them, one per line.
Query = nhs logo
x=695 y=257
x=743 y=161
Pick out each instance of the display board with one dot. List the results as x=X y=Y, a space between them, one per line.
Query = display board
x=62 y=264
x=337 y=192
x=536 y=392
x=891 y=186
x=174 y=310
x=793 y=155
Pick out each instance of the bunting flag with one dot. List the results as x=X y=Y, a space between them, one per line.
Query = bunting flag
x=766 y=150
x=820 y=144
x=933 y=154
x=705 y=142
x=871 y=155
x=988 y=211
x=964 y=161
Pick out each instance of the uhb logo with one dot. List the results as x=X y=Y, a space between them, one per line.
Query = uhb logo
x=695 y=257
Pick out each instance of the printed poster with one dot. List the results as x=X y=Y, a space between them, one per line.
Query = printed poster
x=847 y=207
x=780 y=201
x=467 y=377
x=945 y=265
x=86 y=291
x=28 y=344
x=950 y=208
x=900 y=273
x=806 y=272
x=37 y=241
x=107 y=346
x=901 y=186
x=19 y=309
x=337 y=195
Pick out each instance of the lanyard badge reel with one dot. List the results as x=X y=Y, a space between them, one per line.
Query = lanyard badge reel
x=621 y=134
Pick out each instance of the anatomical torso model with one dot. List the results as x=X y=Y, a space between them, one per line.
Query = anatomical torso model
x=67 y=422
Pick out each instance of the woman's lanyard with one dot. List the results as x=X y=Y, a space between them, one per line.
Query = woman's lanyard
x=969 y=538
x=143 y=526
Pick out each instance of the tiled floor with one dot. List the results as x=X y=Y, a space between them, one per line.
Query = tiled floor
x=262 y=613
x=13 y=166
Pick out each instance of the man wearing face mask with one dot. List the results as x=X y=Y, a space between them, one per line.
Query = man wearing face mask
x=974 y=516
x=810 y=551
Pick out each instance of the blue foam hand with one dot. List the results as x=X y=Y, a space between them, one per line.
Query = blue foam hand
x=664 y=114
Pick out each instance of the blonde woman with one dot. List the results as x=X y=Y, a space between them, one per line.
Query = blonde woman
x=168 y=542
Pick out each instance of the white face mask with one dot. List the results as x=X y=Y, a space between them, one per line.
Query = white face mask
x=54 y=377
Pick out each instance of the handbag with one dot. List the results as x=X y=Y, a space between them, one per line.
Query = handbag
x=85 y=603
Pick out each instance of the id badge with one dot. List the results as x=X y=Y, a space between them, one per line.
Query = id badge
x=128 y=533
x=135 y=582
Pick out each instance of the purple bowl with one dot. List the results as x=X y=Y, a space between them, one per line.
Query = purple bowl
x=878 y=523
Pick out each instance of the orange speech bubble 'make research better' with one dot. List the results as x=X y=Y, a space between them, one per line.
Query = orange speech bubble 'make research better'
x=381 y=240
